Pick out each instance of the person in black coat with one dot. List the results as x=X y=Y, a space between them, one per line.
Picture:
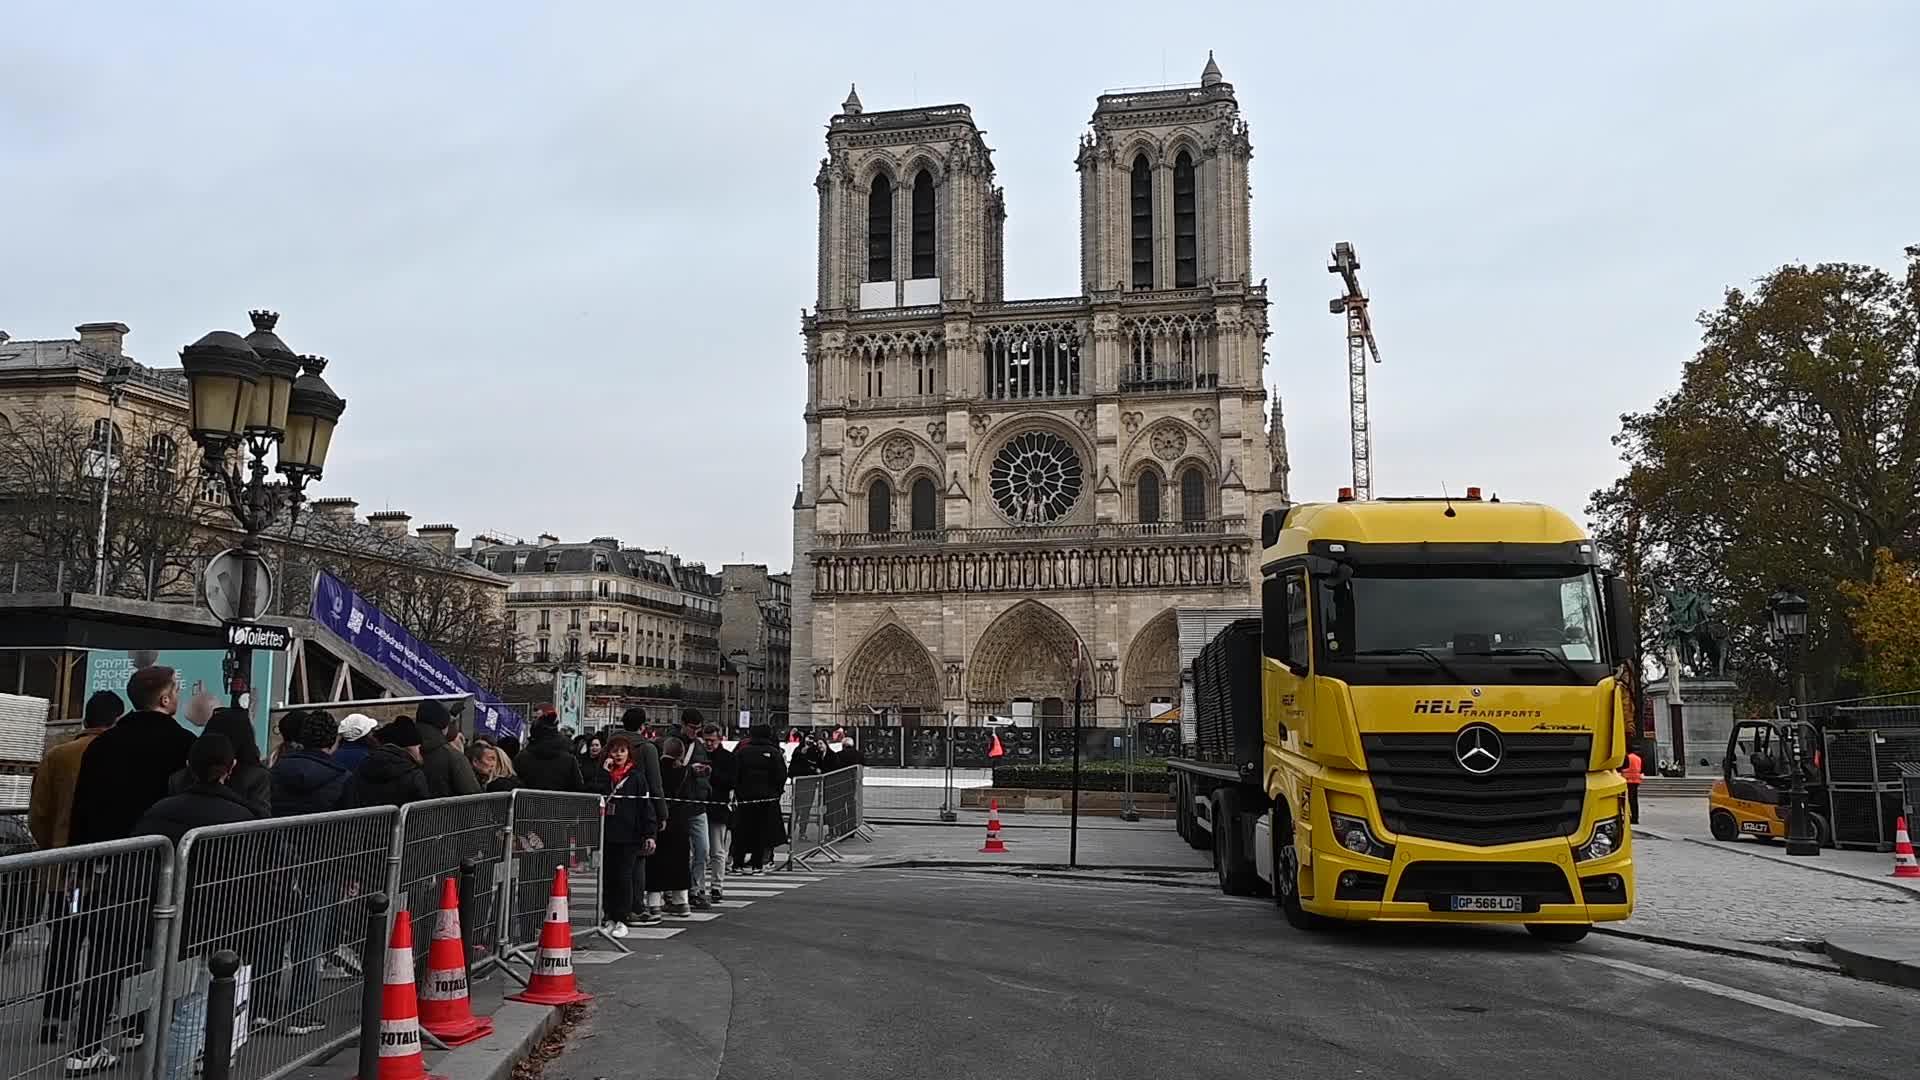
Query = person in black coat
x=249 y=779
x=308 y=779
x=630 y=831
x=126 y=767
x=670 y=868
x=846 y=756
x=391 y=775
x=760 y=777
x=720 y=781
x=548 y=764
x=207 y=799
x=448 y=772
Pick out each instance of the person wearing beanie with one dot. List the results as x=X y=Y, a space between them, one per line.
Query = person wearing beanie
x=310 y=779
x=448 y=772
x=391 y=774
x=249 y=778
x=547 y=763
x=355 y=740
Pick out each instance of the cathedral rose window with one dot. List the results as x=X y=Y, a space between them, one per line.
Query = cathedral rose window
x=1036 y=478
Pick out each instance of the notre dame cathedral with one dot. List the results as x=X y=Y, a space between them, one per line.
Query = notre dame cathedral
x=989 y=483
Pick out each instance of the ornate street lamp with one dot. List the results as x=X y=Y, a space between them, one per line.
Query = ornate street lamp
x=1787 y=613
x=249 y=394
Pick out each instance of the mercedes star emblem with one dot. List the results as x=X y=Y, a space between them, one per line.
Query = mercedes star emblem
x=1478 y=749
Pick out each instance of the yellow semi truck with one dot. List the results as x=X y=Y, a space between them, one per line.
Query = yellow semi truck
x=1423 y=724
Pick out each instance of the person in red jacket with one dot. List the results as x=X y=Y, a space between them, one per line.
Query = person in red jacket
x=1630 y=772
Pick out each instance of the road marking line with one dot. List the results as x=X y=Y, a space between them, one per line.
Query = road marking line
x=732 y=903
x=653 y=933
x=750 y=894
x=763 y=883
x=1736 y=994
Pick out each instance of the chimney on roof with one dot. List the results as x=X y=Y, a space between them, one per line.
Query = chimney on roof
x=102 y=337
x=483 y=541
x=548 y=539
x=442 y=538
x=339 y=509
x=390 y=522
x=614 y=542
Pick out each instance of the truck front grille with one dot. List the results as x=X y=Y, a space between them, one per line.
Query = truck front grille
x=1536 y=792
x=1438 y=882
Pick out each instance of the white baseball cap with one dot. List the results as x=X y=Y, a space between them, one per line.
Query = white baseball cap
x=356 y=726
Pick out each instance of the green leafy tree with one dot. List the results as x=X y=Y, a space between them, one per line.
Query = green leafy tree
x=1789 y=454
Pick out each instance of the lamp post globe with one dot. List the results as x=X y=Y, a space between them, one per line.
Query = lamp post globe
x=222 y=372
x=313 y=412
x=279 y=367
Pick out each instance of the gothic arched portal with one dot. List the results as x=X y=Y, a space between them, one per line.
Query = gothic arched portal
x=1026 y=653
x=891 y=670
x=1153 y=663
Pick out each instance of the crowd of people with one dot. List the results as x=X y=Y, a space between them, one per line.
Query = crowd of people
x=685 y=808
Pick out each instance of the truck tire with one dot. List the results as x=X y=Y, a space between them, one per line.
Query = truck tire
x=1182 y=808
x=1197 y=835
x=1286 y=879
x=1230 y=856
x=1822 y=830
x=1558 y=933
x=1723 y=825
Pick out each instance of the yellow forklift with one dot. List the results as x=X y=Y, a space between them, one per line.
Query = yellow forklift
x=1752 y=796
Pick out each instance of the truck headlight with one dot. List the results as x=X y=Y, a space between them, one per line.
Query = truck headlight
x=1356 y=836
x=1604 y=841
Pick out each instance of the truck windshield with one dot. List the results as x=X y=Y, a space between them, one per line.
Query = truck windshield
x=1519 y=617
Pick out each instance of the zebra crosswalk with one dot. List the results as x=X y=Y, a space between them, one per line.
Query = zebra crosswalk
x=741 y=892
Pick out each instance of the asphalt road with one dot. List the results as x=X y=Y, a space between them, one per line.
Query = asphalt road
x=953 y=973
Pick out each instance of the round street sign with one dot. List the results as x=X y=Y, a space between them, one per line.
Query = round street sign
x=223 y=585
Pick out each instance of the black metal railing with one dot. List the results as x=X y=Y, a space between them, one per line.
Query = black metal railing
x=1109 y=530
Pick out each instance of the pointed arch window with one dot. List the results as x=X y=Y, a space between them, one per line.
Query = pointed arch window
x=923 y=505
x=880 y=230
x=879 y=507
x=923 y=225
x=1186 y=225
x=1146 y=496
x=1193 y=495
x=1142 y=202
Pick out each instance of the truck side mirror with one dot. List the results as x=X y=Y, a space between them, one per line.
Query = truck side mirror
x=1271 y=522
x=1623 y=631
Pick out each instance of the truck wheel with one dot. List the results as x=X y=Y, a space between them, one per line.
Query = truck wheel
x=1230 y=861
x=1197 y=835
x=1822 y=831
x=1286 y=879
x=1558 y=933
x=1723 y=825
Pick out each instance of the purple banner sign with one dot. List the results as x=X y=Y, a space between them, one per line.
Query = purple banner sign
x=364 y=626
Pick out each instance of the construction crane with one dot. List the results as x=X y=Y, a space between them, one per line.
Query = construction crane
x=1360 y=346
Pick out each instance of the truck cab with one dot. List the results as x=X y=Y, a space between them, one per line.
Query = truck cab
x=1444 y=715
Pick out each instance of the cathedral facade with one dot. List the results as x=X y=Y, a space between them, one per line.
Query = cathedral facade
x=991 y=485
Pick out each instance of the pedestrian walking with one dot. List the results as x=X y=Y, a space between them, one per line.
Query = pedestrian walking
x=719 y=808
x=698 y=792
x=441 y=758
x=391 y=775
x=547 y=764
x=630 y=831
x=49 y=819
x=1632 y=774
x=249 y=779
x=760 y=778
x=670 y=868
x=355 y=740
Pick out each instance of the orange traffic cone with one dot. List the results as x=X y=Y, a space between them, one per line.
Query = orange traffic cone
x=573 y=853
x=996 y=750
x=552 y=982
x=445 y=1009
x=994 y=844
x=1904 y=864
x=399 y=1010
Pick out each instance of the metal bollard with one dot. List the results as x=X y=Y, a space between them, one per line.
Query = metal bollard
x=218 y=1063
x=373 y=978
x=469 y=874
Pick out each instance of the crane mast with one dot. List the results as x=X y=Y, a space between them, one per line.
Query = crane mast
x=1360 y=347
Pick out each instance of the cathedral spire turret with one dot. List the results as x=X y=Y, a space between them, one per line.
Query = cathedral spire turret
x=1277 y=451
x=852 y=106
x=1210 y=75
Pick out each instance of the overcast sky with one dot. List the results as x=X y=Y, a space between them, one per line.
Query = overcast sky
x=557 y=252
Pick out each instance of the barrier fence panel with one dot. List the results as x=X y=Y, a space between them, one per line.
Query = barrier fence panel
x=552 y=829
x=283 y=893
x=430 y=841
x=80 y=956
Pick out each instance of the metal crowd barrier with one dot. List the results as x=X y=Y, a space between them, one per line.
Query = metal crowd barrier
x=100 y=916
x=282 y=893
x=430 y=843
x=552 y=829
x=826 y=811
